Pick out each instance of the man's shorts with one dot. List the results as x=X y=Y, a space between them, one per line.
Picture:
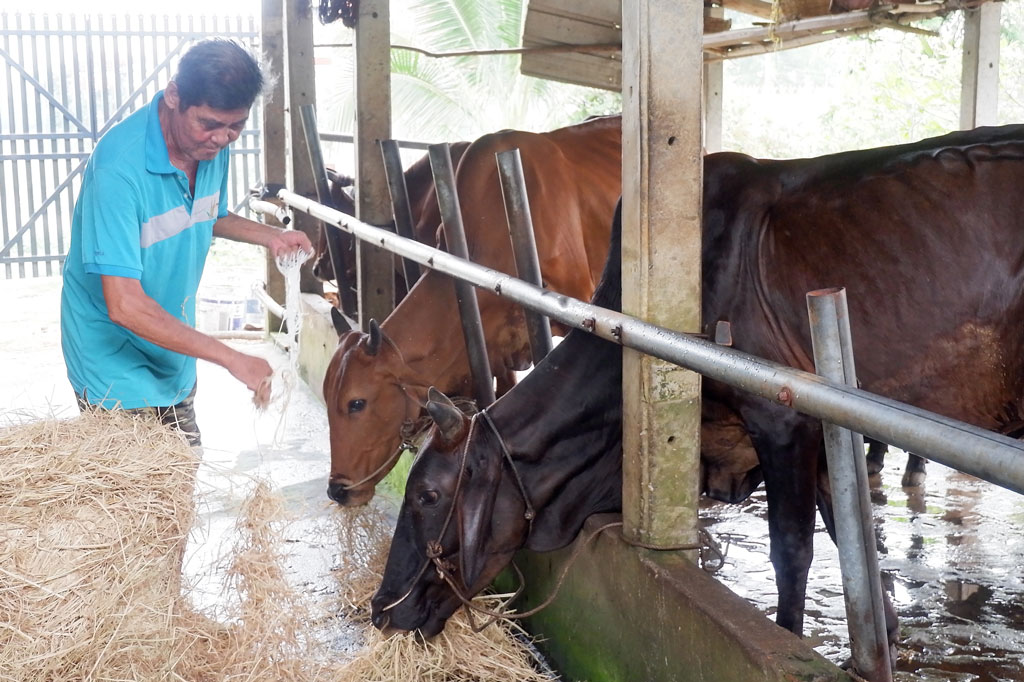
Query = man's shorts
x=181 y=416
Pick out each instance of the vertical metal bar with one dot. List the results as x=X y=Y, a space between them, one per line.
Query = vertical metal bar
x=6 y=215
x=41 y=231
x=22 y=169
x=104 y=70
x=401 y=209
x=349 y=305
x=858 y=560
x=524 y=245
x=465 y=294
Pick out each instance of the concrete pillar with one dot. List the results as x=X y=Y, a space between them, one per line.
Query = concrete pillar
x=375 y=267
x=662 y=182
x=979 y=86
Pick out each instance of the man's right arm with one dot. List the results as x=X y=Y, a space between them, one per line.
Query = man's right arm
x=129 y=306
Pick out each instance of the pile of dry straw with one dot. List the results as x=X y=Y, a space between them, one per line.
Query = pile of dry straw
x=96 y=515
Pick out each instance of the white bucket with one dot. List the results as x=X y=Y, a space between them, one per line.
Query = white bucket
x=220 y=312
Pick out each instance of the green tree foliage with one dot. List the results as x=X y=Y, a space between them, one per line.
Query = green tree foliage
x=455 y=98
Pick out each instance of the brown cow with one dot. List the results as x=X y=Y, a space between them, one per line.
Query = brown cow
x=426 y=217
x=927 y=238
x=377 y=381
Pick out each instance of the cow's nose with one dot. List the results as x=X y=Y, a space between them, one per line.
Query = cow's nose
x=380 y=619
x=338 y=493
x=346 y=496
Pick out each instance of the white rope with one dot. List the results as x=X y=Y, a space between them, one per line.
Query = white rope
x=286 y=376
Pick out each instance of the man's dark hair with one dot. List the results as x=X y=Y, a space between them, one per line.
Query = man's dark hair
x=219 y=73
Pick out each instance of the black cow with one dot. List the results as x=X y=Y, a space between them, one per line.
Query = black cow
x=927 y=238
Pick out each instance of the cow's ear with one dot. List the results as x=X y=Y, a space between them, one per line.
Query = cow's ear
x=451 y=423
x=373 y=345
x=341 y=323
x=475 y=511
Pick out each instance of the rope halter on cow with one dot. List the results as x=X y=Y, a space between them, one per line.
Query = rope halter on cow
x=711 y=555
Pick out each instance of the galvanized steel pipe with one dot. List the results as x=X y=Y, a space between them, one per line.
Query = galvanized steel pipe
x=524 y=244
x=975 y=451
x=851 y=504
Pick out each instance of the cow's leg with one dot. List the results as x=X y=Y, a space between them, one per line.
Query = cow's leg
x=914 y=474
x=787 y=446
x=876 y=456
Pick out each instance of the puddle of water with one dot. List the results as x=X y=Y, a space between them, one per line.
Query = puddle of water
x=951 y=554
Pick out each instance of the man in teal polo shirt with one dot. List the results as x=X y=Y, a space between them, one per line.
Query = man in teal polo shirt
x=153 y=196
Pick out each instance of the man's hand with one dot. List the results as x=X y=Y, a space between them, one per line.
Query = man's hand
x=287 y=241
x=255 y=373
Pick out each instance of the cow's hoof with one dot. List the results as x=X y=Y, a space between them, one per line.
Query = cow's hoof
x=913 y=479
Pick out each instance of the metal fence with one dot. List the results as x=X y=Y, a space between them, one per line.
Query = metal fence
x=65 y=80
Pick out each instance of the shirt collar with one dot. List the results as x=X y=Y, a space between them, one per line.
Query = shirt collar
x=158 y=160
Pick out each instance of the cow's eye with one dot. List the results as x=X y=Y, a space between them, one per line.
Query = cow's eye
x=428 y=498
x=356 y=405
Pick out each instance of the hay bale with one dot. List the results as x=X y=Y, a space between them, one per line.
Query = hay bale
x=95 y=521
x=96 y=514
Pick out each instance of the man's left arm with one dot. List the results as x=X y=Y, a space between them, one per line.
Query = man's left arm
x=276 y=240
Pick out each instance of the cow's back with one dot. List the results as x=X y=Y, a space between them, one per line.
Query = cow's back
x=926 y=238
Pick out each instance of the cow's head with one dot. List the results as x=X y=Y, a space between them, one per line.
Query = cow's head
x=458 y=505
x=367 y=405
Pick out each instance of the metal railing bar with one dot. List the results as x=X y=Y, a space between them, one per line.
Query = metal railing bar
x=975 y=451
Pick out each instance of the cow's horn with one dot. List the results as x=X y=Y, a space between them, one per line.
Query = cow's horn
x=444 y=413
x=373 y=346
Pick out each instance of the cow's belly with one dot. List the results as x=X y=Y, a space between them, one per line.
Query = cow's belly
x=974 y=375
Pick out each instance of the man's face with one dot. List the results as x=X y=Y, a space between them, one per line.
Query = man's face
x=200 y=132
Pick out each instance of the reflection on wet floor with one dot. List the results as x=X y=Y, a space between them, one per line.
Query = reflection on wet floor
x=952 y=557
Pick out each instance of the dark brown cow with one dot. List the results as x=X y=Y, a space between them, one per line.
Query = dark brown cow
x=426 y=217
x=927 y=238
x=377 y=381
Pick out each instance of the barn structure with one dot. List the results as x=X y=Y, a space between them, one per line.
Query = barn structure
x=626 y=613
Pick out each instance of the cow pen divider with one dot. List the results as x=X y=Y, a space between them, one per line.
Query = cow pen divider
x=972 y=450
x=400 y=208
x=455 y=237
x=524 y=244
x=832 y=345
x=346 y=295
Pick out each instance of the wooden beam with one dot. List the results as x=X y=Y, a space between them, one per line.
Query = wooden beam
x=661 y=260
x=300 y=89
x=758 y=8
x=374 y=266
x=979 y=85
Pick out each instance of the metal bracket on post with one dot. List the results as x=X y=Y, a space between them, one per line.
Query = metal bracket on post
x=851 y=503
x=455 y=236
x=346 y=295
x=401 y=210
x=524 y=245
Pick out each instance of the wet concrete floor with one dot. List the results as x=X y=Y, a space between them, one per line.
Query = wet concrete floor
x=952 y=551
x=952 y=557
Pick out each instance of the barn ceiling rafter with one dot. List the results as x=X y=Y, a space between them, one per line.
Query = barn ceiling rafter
x=570 y=27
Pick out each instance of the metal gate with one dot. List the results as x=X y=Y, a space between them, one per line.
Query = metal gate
x=65 y=81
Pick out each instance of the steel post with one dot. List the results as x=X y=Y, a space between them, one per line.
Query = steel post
x=851 y=504
x=401 y=209
x=346 y=295
x=524 y=245
x=455 y=236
